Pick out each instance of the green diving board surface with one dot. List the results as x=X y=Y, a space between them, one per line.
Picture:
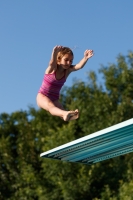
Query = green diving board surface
x=102 y=145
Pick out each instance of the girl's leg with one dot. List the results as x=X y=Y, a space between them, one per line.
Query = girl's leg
x=45 y=103
x=59 y=105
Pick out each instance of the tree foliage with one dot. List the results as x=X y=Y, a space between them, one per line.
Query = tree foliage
x=26 y=134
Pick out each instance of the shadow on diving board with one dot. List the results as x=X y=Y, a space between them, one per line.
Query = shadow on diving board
x=102 y=145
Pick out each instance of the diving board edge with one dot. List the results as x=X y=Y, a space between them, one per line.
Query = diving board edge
x=90 y=136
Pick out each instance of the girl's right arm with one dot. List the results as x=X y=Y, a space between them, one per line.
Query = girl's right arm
x=53 y=61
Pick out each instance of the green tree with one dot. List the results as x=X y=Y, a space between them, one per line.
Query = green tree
x=26 y=134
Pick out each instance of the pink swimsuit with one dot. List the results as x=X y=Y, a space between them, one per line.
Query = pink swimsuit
x=51 y=86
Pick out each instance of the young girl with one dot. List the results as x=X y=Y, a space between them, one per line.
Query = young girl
x=60 y=66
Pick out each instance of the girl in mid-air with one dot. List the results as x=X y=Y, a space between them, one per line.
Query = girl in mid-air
x=60 y=66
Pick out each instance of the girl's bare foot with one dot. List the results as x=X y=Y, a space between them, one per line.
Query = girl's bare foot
x=71 y=115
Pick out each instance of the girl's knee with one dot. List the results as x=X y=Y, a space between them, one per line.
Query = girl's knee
x=37 y=100
x=40 y=101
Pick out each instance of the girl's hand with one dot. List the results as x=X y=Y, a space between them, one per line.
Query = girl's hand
x=53 y=60
x=88 y=53
x=56 y=49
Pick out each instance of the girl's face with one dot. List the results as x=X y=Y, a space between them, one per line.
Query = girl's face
x=66 y=61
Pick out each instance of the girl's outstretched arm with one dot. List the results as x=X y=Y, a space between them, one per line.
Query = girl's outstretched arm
x=55 y=51
x=87 y=54
x=53 y=61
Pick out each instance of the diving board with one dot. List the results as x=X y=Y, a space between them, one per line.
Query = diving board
x=102 y=145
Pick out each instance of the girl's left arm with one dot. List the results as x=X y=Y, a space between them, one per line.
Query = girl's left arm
x=87 y=54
